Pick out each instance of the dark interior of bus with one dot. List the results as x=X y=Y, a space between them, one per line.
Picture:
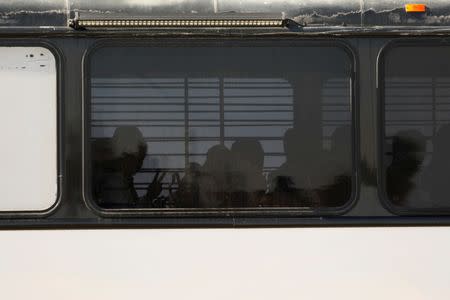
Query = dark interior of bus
x=221 y=127
x=416 y=126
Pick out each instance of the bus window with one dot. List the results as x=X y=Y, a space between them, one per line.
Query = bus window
x=28 y=152
x=416 y=127
x=247 y=126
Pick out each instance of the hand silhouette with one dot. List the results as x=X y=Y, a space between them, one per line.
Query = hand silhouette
x=155 y=187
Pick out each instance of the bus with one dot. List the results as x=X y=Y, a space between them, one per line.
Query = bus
x=223 y=149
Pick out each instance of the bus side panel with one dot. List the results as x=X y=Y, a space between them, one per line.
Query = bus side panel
x=316 y=263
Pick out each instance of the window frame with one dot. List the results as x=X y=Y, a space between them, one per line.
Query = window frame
x=380 y=77
x=60 y=171
x=217 y=212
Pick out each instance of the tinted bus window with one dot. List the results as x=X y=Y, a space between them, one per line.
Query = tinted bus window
x=235 y=126
x=28 y=152
x=417 y=127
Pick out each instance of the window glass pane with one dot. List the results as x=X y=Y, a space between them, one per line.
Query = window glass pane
x=417 y=126
x=220 y=127
x=28 y=129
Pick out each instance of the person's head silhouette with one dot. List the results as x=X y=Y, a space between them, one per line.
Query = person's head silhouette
x=408 y=147
x=249 y=151
x=129 y=148
x=218 y=159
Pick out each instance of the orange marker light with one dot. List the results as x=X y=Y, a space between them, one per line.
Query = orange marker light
x=415 y=8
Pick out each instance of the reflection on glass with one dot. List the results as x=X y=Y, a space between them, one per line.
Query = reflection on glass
x=216 y=128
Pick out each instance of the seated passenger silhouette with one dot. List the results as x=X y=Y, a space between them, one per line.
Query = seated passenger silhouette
x=437 y=174
x=302 y=179
x=340 y=169
x=408 y=152
x=248 y=182
x=114 y=180
x=286 y=183
x=215 y=180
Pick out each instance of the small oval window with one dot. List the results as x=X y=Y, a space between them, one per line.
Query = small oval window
x=28 y=129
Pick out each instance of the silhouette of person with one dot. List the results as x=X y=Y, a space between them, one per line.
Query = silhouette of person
x=286 y=182
x=408 y=153
x=340 y=167
x=248 y=181
x=215 y=181
x=306 y=175
x=114 y=182
x=437 y=173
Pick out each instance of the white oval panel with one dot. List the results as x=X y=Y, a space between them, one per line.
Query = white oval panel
x=28 y=132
